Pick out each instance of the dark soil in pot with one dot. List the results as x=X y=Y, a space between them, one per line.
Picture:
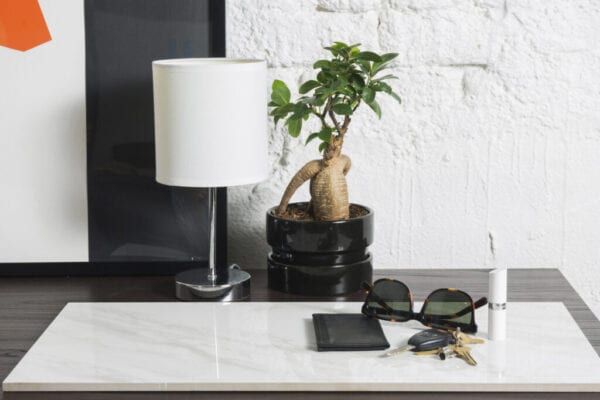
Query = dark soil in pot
x=320 y=258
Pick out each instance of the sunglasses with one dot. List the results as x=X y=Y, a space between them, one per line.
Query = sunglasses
x=391 y=300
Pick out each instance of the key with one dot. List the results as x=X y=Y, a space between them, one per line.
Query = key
x=458 y=351
x=429 y=339
x=462 y=338
x=433 y=352
x=465 y=353
x=458 y=336
x=466 y=339
x=446 y=352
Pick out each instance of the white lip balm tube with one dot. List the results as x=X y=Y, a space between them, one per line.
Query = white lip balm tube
x=497 y=304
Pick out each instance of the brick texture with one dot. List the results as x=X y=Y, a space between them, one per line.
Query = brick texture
x=493 y=159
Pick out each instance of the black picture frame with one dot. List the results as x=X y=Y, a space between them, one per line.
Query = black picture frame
x=214 y=25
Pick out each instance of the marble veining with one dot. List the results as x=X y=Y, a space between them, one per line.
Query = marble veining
x=271 y=346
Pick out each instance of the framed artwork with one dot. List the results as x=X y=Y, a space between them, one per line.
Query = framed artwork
x=77 y=138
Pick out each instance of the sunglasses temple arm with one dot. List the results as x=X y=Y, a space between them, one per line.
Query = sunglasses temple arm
x=479 y=303
x=375 y=297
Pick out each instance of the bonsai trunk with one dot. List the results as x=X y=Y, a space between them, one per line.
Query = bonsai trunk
x=328 y=188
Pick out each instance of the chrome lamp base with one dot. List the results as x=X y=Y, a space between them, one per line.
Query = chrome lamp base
x=197 y=285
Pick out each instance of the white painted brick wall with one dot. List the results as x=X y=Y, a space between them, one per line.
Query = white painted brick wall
x=493 y=158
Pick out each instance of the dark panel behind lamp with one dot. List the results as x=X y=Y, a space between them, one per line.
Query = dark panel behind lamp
x=131 y=217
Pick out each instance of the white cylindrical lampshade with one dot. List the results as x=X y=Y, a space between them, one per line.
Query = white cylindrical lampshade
x=210 y=118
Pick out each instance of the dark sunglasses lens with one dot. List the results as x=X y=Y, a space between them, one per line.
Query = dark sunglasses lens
x=395 y=295
x=451 y=307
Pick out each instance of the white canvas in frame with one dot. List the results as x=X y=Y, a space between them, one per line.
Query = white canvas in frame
x=43 y=205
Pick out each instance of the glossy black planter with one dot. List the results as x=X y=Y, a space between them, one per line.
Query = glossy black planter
x=319 y=258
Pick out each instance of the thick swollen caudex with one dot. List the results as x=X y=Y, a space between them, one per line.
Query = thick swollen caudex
x=311 y=169
x=328 y=188
x=329 y=191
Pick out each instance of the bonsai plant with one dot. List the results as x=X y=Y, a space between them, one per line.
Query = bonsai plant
x=343 y=83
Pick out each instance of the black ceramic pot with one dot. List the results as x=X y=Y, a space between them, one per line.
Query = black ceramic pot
x=319 y=258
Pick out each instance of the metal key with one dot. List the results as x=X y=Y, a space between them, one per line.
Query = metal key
x=429 y=339
x=457 y=351
x=465 y=353
x=462 y=338
x=433 y=352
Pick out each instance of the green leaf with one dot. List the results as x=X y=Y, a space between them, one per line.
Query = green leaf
x=375 y=107
x=356 y=77
x=338 y=84
x=323 y=146
x=311 y=137
x=294 y=126
x=273 y=104
x=277 y=112
x=384 y=63
x=323 y=93
x=344 y=53
x=365 y=66
x=308 y=86
x=323 y=77
x=342 y=109
x=315 y=100
x=368 y=55
x=336 y=100
x=384 y=87
x=368 y=94
x=301 y=110
x=336 y=52
x=356 y=89
x=312 y=100
x=385 y=59
x=396 y=97
x=339 y=45
x=385 y=77
x=283 y=110
x=347 y=91
x=280 y=94
x=322 y=64
x=377 y=68
x=325 y=134
x=318 y=101
x=388 y=57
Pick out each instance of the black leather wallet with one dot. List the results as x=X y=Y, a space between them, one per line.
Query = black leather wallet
x=350 y=332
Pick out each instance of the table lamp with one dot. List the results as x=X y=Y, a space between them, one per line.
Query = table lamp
x=210 y=120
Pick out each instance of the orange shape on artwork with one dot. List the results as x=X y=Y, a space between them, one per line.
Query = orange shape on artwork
x=22 y=24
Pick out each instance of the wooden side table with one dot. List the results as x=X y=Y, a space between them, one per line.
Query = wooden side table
x=26 y=314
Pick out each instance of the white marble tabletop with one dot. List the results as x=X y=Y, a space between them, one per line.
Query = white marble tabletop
x=271 y=347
